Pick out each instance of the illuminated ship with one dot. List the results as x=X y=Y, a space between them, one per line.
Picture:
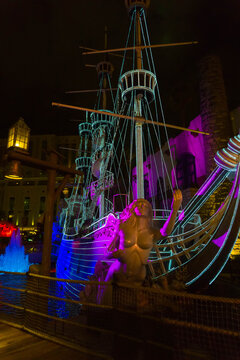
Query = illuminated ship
x=116 y=157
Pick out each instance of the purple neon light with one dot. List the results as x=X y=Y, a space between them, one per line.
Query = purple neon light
x=208 y=183
x=181 y=216
x=220 y=241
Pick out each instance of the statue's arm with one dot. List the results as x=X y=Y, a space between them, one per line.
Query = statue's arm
x=169 y=224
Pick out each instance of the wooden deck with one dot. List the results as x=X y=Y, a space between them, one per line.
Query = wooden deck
x=16 y=344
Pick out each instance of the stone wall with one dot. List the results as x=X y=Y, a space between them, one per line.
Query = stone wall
x=213 y=108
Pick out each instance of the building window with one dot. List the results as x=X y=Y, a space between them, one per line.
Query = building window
x=27 y=204
x=186 y=171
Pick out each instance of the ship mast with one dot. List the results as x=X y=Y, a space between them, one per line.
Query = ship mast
x=138 y=112
x=136 y=8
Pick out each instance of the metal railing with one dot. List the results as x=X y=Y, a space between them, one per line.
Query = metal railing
x=129 y=321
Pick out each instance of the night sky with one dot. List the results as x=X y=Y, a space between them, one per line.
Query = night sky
x=40 y=55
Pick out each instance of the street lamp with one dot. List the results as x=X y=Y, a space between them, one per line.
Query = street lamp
x=18 y=139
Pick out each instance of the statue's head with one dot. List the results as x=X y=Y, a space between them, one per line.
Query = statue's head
x=139 y=207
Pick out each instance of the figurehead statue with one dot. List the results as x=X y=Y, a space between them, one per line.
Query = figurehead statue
x=133 y=240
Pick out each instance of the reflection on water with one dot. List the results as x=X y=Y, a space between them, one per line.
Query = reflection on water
x=56 y=307
x=10 y=296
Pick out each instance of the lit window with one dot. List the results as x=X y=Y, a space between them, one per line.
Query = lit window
x=27 y=203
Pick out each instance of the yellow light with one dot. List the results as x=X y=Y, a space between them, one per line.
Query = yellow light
x=13 y=177
x=18 y=135
x=65 y=191
x=236 y=249
x=13 y=170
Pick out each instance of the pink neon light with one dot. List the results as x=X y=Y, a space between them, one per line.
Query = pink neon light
x=181 y=216
x=207 y=185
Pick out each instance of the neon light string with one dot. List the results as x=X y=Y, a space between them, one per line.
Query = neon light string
x=223 y=265
x=150 y=181
x=210 y=264
x=123 y=142
x=81 y=271
x=151 y=178
x=199 y=243
x=197 y=206
x=110 y=87
x=119 y=170
x=120 y=140
x=197 y=202
x=91 y=260
x=73 y=293
x=160 y=101
x=144 y=42
x=225 y=161
x=88 y=251
x=99 y=93
x=166 y=134
x=115 y=134
x=84 y=266
x=228 y=153
x=123 y=153
x=130 y=161
x=124 y=58
x=76 y=270
x=78 y=257
x=218 y=253
x=134 y=37
x=209 y=182
x=158 y=174
x=163 y=163
x=92 y=248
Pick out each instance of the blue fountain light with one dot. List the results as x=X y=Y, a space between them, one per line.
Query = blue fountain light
x=14 y=258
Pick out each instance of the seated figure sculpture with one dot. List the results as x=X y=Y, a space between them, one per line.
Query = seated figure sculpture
x=133 y=240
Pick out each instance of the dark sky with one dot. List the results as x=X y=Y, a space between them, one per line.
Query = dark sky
x=40 y=56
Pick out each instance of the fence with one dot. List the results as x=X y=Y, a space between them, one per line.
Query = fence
x=129 y=323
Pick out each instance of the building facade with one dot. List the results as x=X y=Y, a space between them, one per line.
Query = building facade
x=22 y=202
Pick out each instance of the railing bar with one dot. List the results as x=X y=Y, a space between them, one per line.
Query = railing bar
x=84 y=282
x=68 y=321
x=68 y=300
x=10 y=288
x=11 y=305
